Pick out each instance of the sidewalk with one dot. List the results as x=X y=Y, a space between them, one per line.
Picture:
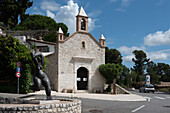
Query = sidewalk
x=118 y=97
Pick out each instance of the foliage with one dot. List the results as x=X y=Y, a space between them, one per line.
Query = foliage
x=125 y=70
x=152 y=71
x=123 y=76
x=164 y=89
x=127 y=80
x=140 y=61
x=12 y=51
x=133 y=75
x=26 y=76
x=163 y=70
x=51 y=37
x=39 y=22
x=110 y=71
x=113 y=56
x=12 y=9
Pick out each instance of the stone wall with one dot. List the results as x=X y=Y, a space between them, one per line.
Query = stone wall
x=52 y=69
x=93 y=55
x=71 y=106
x=70 y=56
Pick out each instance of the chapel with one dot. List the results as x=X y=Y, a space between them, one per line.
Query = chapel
x=75 y=62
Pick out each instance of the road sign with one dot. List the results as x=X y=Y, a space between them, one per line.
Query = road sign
x=19 y=64
x=18 y=69
x=147 y=79
x=18 y=74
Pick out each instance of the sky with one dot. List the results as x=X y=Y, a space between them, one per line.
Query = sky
x=127 y=25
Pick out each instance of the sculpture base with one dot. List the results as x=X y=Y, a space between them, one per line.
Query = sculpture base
x=33 y=104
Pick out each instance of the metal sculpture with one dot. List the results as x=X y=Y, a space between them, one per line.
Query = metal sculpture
x=40 y=77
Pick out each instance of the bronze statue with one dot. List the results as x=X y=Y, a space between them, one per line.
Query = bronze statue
x=41 y=77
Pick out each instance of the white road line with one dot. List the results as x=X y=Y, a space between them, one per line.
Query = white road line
x=159 y=98
x=148 y=98
x=167 y=97
x=138 y=108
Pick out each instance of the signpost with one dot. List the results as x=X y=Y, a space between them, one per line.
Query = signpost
x=18 y=74
x=19 y=64
x=18 y=69
x=147 y=79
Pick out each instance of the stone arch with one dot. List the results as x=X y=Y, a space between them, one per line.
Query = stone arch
x=83 y=24
x=82 y=78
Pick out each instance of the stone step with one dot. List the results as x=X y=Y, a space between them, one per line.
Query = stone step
x=81 y=91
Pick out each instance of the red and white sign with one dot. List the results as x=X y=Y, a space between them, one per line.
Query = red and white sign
x=18 y=74
x=19 y=64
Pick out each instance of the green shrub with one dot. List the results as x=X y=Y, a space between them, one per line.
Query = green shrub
x=12 y=51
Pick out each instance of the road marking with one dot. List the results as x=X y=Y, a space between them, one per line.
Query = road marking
x=167 y=97
x=148 y=98
x=159 y=98
x=138 y=108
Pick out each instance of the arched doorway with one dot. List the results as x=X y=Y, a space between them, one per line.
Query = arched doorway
x=82 y=79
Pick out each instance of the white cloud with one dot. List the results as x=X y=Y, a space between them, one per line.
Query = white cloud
x=154 y=55
x=35 y=8
x=50 y=14
x=37 y=12
x=158 y=38
x=49 y=5
x=94 y=13
x=159 y=55
x=126 y=3
x=67 y=14
x=91 y=24
x=127 y=50
x=128 y=58
x=123 y=4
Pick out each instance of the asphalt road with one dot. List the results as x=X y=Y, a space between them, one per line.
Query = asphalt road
x=157 y=103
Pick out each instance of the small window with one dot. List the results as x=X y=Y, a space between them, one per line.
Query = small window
x=83 y=44
x=43 y=48
x=60 y=37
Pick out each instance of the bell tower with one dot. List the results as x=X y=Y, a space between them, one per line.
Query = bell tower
x=82 y=21
x=102 y=40
x=60 y=35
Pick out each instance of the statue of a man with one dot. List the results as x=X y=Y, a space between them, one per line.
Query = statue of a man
x=41 y=77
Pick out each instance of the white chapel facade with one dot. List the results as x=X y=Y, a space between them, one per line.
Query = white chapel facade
x=76 y=60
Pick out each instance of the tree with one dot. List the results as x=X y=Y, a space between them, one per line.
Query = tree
x=51 y=37
x=10 y=10
x=125 y=74
x=152 y=71
x=113 y=56
x=140 y=61
x=163 y=70
x=12 y=51
x=39 y=22
x=110 y=72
